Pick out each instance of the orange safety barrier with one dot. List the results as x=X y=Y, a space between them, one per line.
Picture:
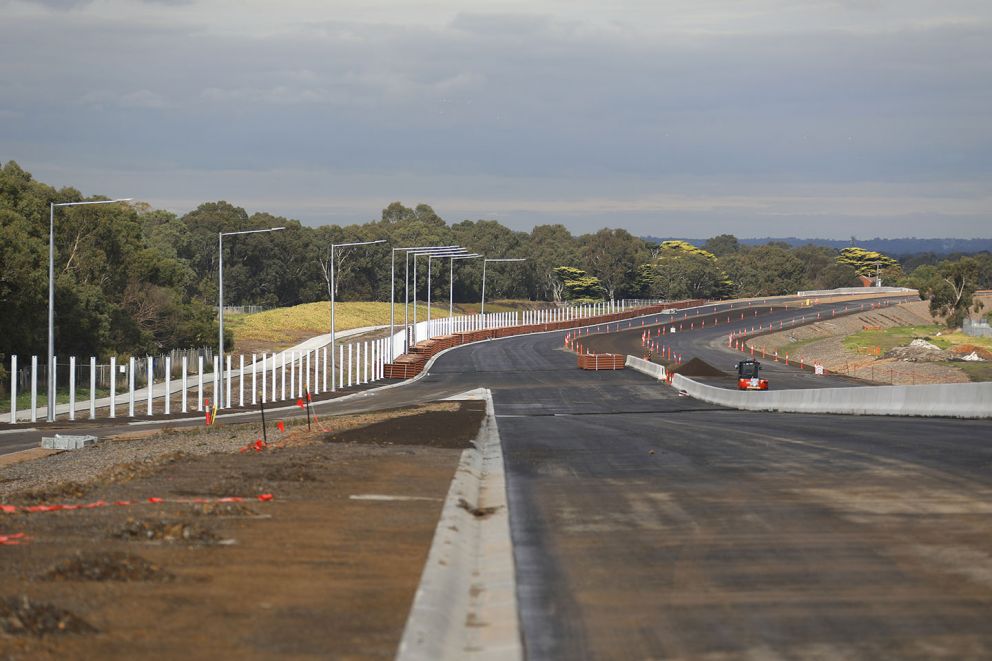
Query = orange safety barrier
x=602 y=361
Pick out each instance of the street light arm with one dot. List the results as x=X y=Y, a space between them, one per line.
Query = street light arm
x=79 y=204
x=268 y=229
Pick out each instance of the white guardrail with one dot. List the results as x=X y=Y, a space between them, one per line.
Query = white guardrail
x=249 y=379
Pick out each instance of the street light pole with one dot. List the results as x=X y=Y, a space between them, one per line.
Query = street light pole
x=219 y=395
x=451 y=282
x=482 y=309
x=50 y=416
x=435 y=252
x=406 y=284
x=334 y=246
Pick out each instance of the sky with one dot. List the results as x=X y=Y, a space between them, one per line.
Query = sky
x=809 y=118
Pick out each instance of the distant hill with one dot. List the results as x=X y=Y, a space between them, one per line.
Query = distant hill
x=904 y=246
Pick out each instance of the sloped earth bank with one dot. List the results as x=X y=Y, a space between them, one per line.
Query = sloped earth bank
x=823 y=342
x=313 y=573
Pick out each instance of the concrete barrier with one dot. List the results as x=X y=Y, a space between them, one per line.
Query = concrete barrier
x=953 y=400
x=653 y=370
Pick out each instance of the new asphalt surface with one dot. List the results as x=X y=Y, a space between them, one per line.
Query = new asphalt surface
x=648 y=525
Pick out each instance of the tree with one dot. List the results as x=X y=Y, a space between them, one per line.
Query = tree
x=950 y=288
x=869 y=262
x=723 y=244
x=612 y=255
x=547 y=248
x=577 y=284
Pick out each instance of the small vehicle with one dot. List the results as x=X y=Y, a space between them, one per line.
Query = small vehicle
x=747 y=376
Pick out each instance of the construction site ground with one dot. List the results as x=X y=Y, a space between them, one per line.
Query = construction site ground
x=332 y=562
x=823 y=342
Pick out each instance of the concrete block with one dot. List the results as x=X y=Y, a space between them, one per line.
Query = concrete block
x=66 y=442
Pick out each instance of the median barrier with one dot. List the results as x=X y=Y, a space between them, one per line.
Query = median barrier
x=954 y=400
x=653 y=370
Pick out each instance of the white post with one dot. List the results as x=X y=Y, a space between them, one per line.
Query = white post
x=254 y=383
x=113 y=386
x=365 y=363
x=316 y=371
x=375 y=359
x=307 y=389
x=292 y=374
x=92 y=387
x=264 y=385
x=227 y=382
x=350 y=354
x=185 y=366
x=275 y=369
x=241 y=380
x=217 y=368
x=34 y=388
x=130 y=387
x=72 y=387
x=151 y=382
x=13 y=389
x=167 y=406
x=324 y=387
x=340 y=364
x=199 y=384
x=282 y=373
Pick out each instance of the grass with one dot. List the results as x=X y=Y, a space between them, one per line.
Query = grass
x=975 y=371
x=897 y=336
x=283 y=327
x=61 y=397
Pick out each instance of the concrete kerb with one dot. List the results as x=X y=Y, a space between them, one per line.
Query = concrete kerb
x=466 y=606
x=653 y=370
x=953 y=400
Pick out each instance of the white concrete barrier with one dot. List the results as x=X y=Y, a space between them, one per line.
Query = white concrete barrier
x=953 y=400
x=646 y=367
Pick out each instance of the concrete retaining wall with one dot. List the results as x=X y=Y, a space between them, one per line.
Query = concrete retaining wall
x=954 y=400
x=646 y=367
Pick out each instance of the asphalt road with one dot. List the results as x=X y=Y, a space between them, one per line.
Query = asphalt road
x=647 y=525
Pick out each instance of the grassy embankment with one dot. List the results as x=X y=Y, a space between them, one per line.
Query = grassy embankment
x=898 y=336
x=281 y=328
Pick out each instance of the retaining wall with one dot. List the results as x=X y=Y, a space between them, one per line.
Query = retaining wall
x=954 y=400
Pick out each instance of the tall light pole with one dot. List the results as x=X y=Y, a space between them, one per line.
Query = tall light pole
x=51 y=294
x=482 y=310
x=406 y=282
x=335 y=246
x=440 y=250
x=219 y=395
x=451 y=282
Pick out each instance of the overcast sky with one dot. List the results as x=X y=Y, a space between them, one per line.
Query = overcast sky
x=812 y=118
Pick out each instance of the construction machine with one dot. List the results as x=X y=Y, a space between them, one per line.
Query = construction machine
x=747 y=376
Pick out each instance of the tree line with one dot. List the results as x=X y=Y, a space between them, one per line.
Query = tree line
x=131 y=279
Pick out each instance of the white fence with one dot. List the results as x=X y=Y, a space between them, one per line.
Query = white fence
x=182 y=383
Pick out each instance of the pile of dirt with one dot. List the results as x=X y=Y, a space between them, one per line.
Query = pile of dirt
x=148 y=466
x=222 y=509
x=920 y=350
x=459 y=429
x=113 y=566
x=697 y=367
x=971 y=352
x=20 y=617
x=165 y=531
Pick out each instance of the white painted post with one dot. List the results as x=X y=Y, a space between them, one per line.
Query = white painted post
x=324 y=386
x=34 y=388
x=340 y=364
x=274 y=380
x=72 y=387
x=241 y=380
x=351 y=353
x=199 y=384
x=167 y=406
x=92 y=387
x=130 y=387
x=227 y=392
x=254 y=392
x=151 y=383
x=185 y=366
x=264 y=387
x=213 y=393
x=376 y=345
x=282 y=373
x=316 y=371
x=307 y=385
x=292 y=374
x=365 y=363
x=113 y=386
x=13 y=389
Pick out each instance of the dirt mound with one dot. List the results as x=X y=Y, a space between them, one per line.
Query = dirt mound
x=165 y=531
x=439 y=429
x=697 y=367
x=967 y=349
x=919 y=350
x=114 y=566
x=222 y=509
x=20 y=617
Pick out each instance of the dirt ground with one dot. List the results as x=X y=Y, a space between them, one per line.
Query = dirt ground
x=313 y=572
x=823 y=342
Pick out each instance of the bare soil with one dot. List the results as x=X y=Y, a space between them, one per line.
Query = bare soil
x=311 y=574
x=823 y=342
